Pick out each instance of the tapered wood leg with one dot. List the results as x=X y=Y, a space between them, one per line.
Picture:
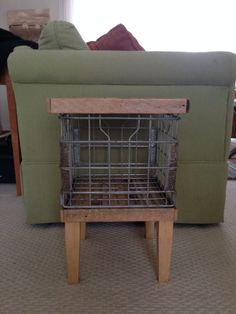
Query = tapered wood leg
x=164 y=249
x=14 y=130
x=83 y=230
x=72 y=243
x=149 y=230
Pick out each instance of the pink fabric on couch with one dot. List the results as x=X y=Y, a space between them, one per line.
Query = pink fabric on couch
x=118 y=38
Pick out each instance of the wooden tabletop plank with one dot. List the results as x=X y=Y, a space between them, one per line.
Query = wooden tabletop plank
x=117 y=105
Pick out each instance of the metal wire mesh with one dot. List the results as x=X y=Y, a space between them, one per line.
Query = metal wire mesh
x=118 y=161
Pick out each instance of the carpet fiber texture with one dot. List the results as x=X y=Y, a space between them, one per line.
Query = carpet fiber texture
x=117 y=266
x=231 y=170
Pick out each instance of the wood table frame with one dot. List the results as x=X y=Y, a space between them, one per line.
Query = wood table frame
x=6 y=80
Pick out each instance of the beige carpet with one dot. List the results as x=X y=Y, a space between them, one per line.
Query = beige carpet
x=117 y=267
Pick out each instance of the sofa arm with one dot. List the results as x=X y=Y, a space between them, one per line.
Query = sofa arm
x=122 y=68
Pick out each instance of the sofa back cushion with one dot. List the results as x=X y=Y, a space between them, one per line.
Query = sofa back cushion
x=61 y=35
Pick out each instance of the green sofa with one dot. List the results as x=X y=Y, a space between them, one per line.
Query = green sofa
x=206 y=79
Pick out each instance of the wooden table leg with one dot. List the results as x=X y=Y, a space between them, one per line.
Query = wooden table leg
x=83 y=230
x=14 y=129
x=72 y=243
x=164 y=249
x=149 y=230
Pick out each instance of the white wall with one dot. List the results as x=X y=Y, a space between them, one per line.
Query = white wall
x=56 y=12
x=179 y=25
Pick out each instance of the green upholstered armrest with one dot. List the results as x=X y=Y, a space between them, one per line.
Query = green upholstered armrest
x=126 y=68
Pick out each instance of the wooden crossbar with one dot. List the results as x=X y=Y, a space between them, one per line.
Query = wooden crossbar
x=118 y=214
x=118 y=105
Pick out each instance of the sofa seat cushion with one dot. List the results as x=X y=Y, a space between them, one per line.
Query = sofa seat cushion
x=61 y=35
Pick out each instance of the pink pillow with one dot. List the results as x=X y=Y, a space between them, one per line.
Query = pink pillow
x=118 y=38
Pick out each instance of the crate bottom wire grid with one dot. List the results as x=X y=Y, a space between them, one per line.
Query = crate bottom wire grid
x=110 y=161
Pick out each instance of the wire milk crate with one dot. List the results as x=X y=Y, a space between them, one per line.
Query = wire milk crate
x=118 y=163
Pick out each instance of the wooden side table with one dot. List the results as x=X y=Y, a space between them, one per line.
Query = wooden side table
x=121 y=186
x=5 y=80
